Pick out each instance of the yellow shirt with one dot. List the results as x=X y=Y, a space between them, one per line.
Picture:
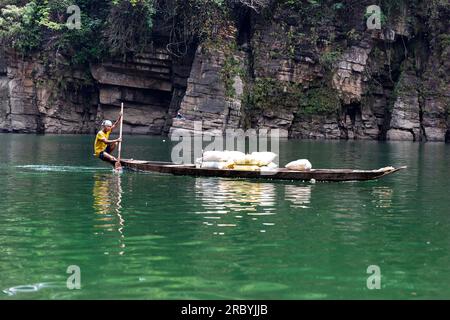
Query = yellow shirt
x=99 y=145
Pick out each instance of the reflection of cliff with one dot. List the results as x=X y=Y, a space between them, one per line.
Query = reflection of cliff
x=107 y=194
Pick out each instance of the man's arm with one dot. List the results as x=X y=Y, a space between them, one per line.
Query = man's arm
x=104 y=140
x=117 y=121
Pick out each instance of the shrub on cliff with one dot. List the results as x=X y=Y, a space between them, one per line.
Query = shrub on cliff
x=128 y=25
x=18 y=27
x=323 y=100
x=105 y=27
x=110 y=27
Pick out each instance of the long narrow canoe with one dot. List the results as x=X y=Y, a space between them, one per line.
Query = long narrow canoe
x=279 y=174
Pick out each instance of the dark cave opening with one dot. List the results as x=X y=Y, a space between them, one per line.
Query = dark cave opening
x=243 y=20
x=353 y=111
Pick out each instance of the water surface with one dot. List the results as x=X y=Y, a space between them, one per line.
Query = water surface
x=153 y=236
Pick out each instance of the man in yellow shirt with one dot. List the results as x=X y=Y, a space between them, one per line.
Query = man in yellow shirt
x=103 y=147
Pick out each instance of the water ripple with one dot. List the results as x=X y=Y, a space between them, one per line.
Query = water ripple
x=28 y=288
x=47 y=168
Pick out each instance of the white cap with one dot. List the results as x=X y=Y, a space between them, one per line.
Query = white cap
x=106 y=123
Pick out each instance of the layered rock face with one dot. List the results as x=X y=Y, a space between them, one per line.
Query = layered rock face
x=275 y=57
x=309 y=76
x=405 y=117
x=4 y=93
x=206 y=99
x=434 y=97
x=386 y=84
x=354 y=119
x=143 y=84
x=33 y=101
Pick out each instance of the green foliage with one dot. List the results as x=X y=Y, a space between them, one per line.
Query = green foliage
x=128 y=25
x=231 y=68
x=41 y=25
x=314 y=10
x=269 y=94
x=210 y=17
x=111 y=27
x=310 y=29
x=392 y=10
x=329 y=58
x=353 y=35
x=444 y=41
x=18 y=27
x=322 y=100
x=292 y=40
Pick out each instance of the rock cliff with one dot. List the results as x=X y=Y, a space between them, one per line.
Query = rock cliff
x=320 y=75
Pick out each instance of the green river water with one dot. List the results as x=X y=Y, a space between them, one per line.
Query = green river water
x=153 y=236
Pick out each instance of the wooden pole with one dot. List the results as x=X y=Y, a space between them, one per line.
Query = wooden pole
x=118 y=165
x=121 y=127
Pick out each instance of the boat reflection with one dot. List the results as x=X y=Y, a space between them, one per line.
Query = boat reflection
x=107 y=194
x=232 y=203
x=300 y=197
x=220 y=196
x=382 y=197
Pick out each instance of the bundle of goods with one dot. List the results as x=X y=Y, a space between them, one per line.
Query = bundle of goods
x=237 y=160
x=218 y=159
x=299 y=165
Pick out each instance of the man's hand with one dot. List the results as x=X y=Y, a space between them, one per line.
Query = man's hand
x=118 y=140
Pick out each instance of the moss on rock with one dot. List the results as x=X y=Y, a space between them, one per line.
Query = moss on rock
x=323 y=100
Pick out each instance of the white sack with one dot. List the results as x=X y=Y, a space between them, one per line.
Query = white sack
x=299 y=165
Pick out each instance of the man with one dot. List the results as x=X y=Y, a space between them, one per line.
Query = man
x=103 y=147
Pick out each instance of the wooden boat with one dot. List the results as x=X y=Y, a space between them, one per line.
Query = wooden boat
x=279 y=174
